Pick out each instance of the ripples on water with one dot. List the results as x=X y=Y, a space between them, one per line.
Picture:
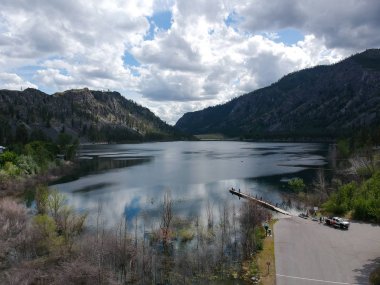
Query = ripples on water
x=131 y=179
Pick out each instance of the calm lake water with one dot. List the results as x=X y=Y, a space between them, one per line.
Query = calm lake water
x=131 y=179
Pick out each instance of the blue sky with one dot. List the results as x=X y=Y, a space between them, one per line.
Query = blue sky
x=176 y=56
x=130 y=60
x=161 y=21
x=289 y=36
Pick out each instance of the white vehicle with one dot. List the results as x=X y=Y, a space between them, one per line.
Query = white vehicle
x=337 y=222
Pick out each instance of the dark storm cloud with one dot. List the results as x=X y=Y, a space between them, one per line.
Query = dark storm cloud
x=346 y=24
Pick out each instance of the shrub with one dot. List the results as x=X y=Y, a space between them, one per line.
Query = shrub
x=45 y=224
x=70 y=224
x=296 y=184
x=13 y=233
x=185 y=235
x=342 y=201
x=363 y=199
x=27 y=165
x=259 y=237
x=55 y=202
x=11 y=169
x=366 y=206
x=3 y=177
x=41 y=197
x=7 y=156
x=82 y=272
x=45 y=234
x=374 y=277
x=41 y=153
x=12 y=218
x=361 y=209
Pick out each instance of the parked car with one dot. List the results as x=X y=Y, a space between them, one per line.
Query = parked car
x=337 y=222
x=302 y=215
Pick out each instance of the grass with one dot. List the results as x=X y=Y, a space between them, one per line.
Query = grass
x=257 y=265
x=267 y=255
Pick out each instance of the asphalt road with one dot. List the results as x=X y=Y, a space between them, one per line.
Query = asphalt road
x=309 y=253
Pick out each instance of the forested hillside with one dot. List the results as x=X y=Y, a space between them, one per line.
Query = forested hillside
x=94 y=116
x=323 y=101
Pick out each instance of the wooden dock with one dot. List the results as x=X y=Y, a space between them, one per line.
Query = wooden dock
x=259 y=201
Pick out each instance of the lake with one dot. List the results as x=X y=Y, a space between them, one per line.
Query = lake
x=130 y=179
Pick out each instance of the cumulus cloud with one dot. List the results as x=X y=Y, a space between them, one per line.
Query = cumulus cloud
x=169 y=51
x=86 y=39
x=210 y=52
x=347 y=24
x=12 y=81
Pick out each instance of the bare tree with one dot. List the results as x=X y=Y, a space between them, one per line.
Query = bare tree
x=166 y=217
x=100 y=233
x=210 y=215
x=55 y=203
x=223 y=236
x=251 y=218
x=321 y=186
x=166 y=256
x=363 y=166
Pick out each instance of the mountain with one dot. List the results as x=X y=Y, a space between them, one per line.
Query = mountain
x=89 y=115
x=323 y=101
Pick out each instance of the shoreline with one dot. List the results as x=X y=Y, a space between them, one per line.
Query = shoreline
x=16 y=187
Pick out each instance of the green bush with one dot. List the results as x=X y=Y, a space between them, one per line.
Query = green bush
x=361 y=209
x=7 y=156
x=27 y=165
x=45 y=231
x=259 y=236
x=331 y=207
x=41 y=152
x=367 y=205
x=45 y=225
x=11 y=169
x=342 y=201
x=363 y=200
x=296 y=184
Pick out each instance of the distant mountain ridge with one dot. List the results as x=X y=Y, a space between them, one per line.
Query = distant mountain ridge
x=93 y=116
x=323 y=101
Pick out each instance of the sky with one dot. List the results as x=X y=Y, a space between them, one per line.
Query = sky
x=176 y=56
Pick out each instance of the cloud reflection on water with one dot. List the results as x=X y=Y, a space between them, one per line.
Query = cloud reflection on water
x=195 y=173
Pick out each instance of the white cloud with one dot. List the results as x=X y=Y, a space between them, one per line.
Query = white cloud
x=12 y=81
x=203 y=59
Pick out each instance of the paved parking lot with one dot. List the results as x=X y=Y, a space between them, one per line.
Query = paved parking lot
x=311 y=253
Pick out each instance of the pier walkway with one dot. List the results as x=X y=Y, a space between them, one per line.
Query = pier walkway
x=259 y=201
